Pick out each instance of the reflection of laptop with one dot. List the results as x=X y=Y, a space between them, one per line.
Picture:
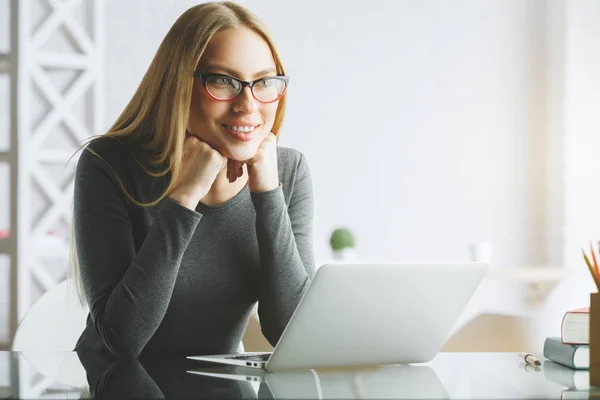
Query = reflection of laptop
x=370 y=314
x=394 y=382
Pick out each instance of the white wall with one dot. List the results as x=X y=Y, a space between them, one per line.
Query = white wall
x=485 y=128
x=484 y=124
x=582 y=128
x=446 y=149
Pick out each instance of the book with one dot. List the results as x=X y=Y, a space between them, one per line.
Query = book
x=574 y=394
x=576 y=379
x=575 y=326
x=576 y=356
x=570 y=394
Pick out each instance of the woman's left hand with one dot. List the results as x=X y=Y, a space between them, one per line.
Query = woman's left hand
x=263 y=174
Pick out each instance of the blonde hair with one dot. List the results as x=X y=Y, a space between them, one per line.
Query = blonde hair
x=158 y=113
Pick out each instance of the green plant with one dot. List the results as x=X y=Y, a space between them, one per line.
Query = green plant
x=342 y=238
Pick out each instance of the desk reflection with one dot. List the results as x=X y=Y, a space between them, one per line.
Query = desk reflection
x=68 y=375
x=154 y=378
x=394 y=382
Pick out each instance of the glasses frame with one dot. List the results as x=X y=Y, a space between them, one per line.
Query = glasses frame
x=205 y=75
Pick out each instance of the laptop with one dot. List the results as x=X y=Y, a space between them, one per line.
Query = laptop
x=393 y=382
x=369 y=314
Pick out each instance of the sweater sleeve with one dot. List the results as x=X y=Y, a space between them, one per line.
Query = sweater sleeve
x=127 y=292
x=284 y=234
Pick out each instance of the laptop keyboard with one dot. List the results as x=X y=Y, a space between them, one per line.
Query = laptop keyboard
x=254 y=357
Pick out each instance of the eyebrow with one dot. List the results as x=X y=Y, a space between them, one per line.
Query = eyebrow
x=234 y=73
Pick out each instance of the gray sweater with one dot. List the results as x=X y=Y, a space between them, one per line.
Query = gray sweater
x=166 y=279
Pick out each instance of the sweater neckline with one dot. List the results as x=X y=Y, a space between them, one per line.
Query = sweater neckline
x=228 y=204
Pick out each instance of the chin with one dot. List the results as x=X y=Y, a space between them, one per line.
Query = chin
x=241 y=153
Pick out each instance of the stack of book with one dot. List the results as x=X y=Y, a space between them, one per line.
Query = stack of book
x=568 y=356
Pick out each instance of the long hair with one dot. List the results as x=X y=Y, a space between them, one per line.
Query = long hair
x=157 y=114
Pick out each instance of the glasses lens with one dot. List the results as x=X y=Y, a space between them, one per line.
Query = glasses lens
x=222 y=87
x=268 y=89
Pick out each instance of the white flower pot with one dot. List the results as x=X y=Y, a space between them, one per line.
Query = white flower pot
x=347 y=254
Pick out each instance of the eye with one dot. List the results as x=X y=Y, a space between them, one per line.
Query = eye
x=266 y=83
x=222 y=80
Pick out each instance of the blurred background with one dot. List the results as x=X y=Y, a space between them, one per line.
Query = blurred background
x=436 y=130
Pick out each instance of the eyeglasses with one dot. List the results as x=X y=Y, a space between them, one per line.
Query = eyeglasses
x=225 y=87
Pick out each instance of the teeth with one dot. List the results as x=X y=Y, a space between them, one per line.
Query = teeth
x=244 y=129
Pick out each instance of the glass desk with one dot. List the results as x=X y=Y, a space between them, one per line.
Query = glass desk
x=71 y=375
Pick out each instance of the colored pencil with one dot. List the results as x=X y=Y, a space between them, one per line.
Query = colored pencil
x=594 y=259
x=589 y=265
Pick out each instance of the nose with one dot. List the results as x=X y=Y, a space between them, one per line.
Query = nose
x=245 y=103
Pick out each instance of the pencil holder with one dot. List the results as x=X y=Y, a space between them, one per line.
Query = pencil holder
x=595 y=339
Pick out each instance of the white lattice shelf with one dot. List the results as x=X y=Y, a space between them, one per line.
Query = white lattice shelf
x=56 y=103
x=4 y=63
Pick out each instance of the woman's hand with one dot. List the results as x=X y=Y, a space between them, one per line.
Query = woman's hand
x=201 y=165
x=263 y=174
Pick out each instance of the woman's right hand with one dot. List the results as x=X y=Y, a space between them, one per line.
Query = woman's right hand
x=200 y=166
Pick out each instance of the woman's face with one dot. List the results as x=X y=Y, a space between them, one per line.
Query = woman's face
x=237 y=127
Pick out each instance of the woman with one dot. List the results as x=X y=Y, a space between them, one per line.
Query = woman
x=187 y=212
